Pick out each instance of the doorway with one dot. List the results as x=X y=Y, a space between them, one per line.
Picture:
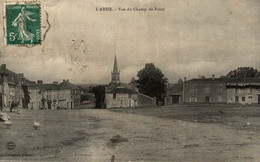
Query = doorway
x=176 y=99
x=206 y=98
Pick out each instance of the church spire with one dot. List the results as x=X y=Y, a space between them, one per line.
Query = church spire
x=115 y=73
x=115 y=66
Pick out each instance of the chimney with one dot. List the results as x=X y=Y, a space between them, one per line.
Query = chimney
x=55 y=82
x=213 y=76
x=3 y=66
x=39 y=82
x=21 y=75
x=185 y=79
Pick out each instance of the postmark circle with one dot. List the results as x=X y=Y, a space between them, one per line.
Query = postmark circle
x=10 y=145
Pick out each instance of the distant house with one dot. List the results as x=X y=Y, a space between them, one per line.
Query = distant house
x=174 y=93
x=10 y=87
x=119 y=95
x=243 y=91
x=64 y=95
x=50 y=95
x=122 y=95
x=205 y=90
x=34 y=93
x=75 y=91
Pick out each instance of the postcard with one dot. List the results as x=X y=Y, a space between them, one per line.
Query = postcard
x=129 y=80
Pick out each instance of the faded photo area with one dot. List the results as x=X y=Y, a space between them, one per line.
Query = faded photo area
x=130 y=80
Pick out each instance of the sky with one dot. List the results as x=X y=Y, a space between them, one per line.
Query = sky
x=187 y=39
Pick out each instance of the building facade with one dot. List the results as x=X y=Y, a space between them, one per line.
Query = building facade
x=205 y=90
x=34 y=93
x=60 y=96
x=120 y=95
x=10 y=88
x=243 y=91
x=174 y=93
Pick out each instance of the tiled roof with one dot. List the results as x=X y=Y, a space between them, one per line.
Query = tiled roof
x=224 y=80
x=12 y=77
x=30 y=83
x=120 y=88
x=49 y=87
x=68 y=85
x=176 y=89
x=207 y=80
x=244 y=80
x=62 y=86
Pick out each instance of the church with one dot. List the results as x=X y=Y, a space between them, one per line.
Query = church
x=121 y=95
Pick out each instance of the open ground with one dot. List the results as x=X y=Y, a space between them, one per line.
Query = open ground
x=170 y=133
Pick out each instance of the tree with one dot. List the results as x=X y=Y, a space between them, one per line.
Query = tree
x=152 y=82
x=27 y=97
x=244 y=72
x=99 y=92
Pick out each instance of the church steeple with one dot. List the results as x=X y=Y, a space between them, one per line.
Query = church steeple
x=115 y=73
x=115 y=66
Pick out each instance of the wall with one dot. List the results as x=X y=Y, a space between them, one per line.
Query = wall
x=197 y=92
x=65 y=99
x=250 y=95
x=122 y=100
x=35 y=102
x=144 y=100
x=76 y=97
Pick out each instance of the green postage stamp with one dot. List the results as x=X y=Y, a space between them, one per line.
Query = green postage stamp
x=22 y=23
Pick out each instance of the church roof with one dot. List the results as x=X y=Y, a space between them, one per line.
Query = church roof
x=115 y=70
x=121 y=88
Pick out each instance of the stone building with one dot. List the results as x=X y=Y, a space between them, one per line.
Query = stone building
x=205 y=90
x=243 y=91
x=174 y=93
x=34 y=93
x=10 y=87
x=60 y=96
x=75 y=91
x=119 y=95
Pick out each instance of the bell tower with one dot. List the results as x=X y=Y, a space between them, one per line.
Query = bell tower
x=115 y=73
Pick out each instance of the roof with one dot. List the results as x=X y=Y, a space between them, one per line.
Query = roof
x=67 y=85
x=223 y=80
x=30 y=83
x=12 y=76
x=49 y=87
x=207 y=80
x=244 y=86
x=115 y=70
x=121 y=88
x=244 y=80
x=175 y=89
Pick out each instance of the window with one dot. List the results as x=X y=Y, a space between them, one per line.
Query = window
x=243 y=99
x=192 y=99
x=192 y=91
x=206 y=98
x=219 y=98
x=207 y=90
x=236 y=99
x=129 y=95
x=220 y=90
x=114 y=95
